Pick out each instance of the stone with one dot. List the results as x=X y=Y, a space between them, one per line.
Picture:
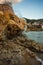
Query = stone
x=15 y=49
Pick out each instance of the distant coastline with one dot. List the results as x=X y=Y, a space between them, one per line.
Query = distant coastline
x=34 y=24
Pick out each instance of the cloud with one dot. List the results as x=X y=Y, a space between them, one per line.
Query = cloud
x=10 y=1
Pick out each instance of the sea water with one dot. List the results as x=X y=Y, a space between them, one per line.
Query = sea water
x=35 y=35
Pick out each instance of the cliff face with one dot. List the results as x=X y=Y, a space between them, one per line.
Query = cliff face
x=10 y=21
x=6 y=8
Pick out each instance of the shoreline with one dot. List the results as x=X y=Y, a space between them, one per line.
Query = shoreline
x=22 y=49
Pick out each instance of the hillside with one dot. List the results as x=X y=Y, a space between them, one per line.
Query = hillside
x=33 y=20
x=34 y=24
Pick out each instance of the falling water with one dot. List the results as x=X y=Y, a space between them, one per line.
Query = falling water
x=25 y=28
x=40 y=60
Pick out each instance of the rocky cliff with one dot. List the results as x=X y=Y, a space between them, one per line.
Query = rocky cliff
x=15 y=49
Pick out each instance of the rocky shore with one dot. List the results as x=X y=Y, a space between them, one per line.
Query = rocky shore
x=15 y=48
x=19 y=51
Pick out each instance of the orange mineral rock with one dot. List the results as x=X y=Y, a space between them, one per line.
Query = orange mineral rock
x=9 y=22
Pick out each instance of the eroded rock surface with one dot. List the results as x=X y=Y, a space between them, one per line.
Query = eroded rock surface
x=18 y=51
x=12 y=53
x=15 y=49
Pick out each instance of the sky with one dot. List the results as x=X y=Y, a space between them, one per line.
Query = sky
x=31 y=9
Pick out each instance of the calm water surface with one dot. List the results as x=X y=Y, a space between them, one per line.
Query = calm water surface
x=37 y=36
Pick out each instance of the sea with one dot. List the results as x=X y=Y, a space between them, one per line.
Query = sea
x=35 y=35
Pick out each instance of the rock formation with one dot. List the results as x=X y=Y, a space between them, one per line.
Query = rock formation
x=15 y=49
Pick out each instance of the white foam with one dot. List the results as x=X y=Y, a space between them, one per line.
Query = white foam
x=40 y=60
